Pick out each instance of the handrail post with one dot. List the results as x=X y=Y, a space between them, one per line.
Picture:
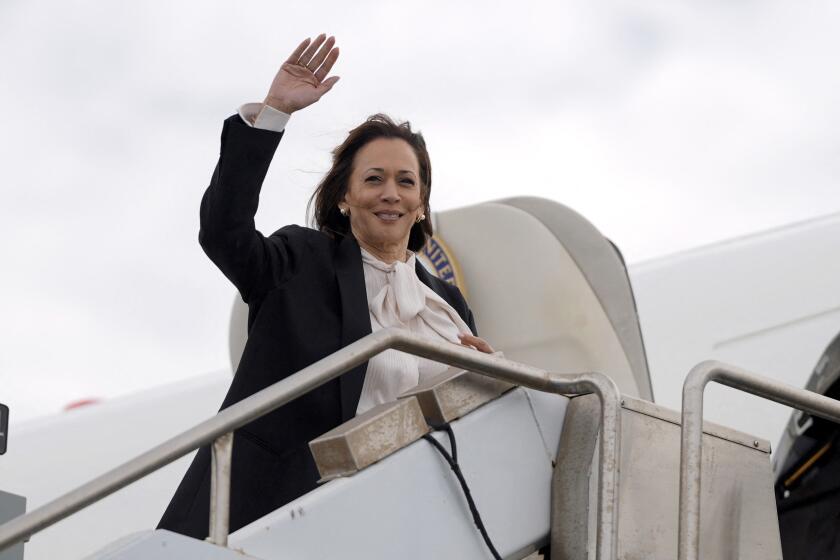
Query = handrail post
x=691 y=444
x=222 y=457
x=691 y=449
x=606 y=543
x=610 y=450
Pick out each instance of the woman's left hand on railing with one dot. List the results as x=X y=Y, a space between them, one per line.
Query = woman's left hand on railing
x=476 y=342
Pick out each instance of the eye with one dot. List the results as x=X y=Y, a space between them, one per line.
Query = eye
x=408 y=181
x=376 y=177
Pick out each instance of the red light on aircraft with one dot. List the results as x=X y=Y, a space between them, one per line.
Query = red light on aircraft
x=79 y=404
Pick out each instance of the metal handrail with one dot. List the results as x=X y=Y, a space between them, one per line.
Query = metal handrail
x=692 y=431
x=222 y=425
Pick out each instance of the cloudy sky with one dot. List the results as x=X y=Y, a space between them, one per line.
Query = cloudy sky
x=669 y=124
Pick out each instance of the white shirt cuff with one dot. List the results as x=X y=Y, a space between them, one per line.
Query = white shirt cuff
x=258 y=115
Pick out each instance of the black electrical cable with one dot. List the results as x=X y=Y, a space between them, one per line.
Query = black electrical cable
x=456 y=468
x=452 y=444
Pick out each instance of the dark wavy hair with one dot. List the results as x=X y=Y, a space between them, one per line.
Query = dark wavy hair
x=330 y=191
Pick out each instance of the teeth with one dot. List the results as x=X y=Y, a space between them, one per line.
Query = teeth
x=385 y=216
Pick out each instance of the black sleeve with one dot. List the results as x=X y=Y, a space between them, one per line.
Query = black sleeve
x=253 y=262
x=460 y=305
x=471 y=321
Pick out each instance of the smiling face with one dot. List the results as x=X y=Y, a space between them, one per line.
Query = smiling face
x=384 y=196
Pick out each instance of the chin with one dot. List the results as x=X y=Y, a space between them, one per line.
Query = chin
x=390 y=236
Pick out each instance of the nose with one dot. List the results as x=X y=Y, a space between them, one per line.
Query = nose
x=390 y=191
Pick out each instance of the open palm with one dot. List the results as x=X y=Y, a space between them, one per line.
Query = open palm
x=302 y=79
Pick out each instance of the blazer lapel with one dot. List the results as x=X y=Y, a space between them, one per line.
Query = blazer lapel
x=355 y=318
x=426 y=278
x=460 y=306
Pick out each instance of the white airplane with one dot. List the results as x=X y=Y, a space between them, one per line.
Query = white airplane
x=766 y=302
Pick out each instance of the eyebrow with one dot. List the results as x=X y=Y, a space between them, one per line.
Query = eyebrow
x=381 y=170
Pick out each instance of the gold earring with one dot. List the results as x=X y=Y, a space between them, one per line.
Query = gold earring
x=344 y=211
x=420 y=218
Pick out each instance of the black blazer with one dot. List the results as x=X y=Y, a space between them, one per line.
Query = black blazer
x=306 y=299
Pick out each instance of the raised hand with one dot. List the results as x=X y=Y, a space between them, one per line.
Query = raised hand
x=302 y=79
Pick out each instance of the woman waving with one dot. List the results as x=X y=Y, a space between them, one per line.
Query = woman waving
x=312 y=291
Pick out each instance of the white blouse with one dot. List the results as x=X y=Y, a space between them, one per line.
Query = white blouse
x=397 y=298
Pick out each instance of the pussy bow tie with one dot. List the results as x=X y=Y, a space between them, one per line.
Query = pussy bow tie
x=402 y=298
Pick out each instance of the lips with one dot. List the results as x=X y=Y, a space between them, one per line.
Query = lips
x=389 y=216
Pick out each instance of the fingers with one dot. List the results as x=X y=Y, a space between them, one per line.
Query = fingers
x=293 y=58
x=475 y=342
x=321 y=54
x=310 y=50
x=484 y=348
x=327 y=65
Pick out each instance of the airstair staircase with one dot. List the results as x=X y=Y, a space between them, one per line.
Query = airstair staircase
x=533 y=457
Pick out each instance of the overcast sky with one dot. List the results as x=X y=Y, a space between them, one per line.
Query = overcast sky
x=668 y=124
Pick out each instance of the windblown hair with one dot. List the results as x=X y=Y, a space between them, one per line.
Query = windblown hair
x=330 y=191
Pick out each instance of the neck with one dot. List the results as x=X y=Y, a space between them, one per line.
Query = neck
x=385 y=252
